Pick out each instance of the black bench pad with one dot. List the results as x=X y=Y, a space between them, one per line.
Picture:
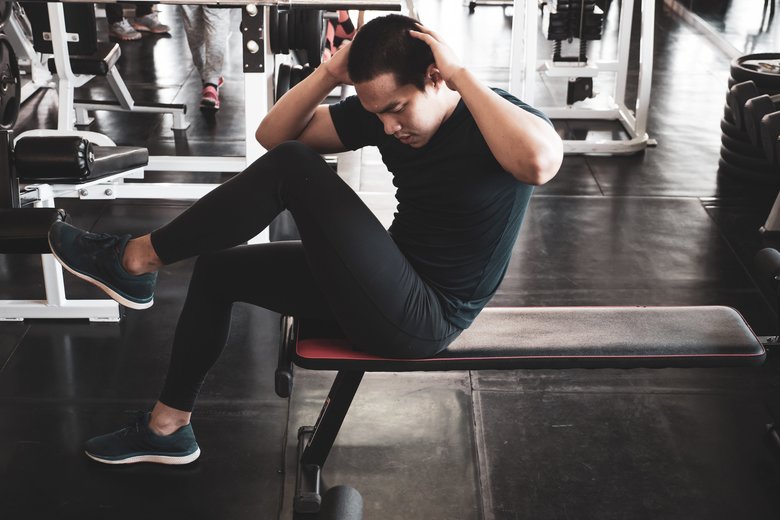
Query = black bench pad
x=568 y=337
x=73 y=159
x=98 y=64
x=26 y=230
x=116 y=159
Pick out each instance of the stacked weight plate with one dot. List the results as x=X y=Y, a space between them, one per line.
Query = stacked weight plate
x=739 y=156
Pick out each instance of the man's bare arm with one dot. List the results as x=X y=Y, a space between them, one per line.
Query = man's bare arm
x=299 y=115
x=524 y=144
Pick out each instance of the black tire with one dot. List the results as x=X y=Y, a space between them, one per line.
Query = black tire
x=741 y=173
x=742 y=70
x=756 y=163
x=282 y=81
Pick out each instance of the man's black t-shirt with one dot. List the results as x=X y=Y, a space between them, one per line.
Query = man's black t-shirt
x=458 y=212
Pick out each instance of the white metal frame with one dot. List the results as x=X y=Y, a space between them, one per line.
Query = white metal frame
x=40 y=75
x=525 y=67
x=56 y=305
x=71 y=113
x=257 y=102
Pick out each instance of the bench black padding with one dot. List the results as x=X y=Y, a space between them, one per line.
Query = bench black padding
x=26 y=230
x=98 y=64
x=566 y=337
x=72 y=159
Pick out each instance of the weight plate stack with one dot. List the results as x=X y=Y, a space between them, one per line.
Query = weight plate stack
x=740 y=155
x=10 y=84
x=282 y=81
x=284 y=40
x=292 y=28
x=296 y=75
x=314 y=25
x=273 y=29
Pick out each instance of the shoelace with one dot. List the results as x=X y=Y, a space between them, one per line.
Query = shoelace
x=135 y=427
x=99 y=237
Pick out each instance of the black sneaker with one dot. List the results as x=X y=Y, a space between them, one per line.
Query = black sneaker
x=137 y=443
x=96 y=258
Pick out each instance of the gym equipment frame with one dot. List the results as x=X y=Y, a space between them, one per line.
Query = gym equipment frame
x=258 y=87
x=525 y=66
x=41 y=196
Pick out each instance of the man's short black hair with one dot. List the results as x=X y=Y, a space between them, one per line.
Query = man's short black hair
x=384 y=45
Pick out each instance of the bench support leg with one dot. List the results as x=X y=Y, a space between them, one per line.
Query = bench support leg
x=314 y=444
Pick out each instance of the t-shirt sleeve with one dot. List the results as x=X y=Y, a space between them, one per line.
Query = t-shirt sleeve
x=525 y=106
x=355 y=126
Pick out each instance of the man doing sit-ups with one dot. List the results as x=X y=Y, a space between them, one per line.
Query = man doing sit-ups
x=464 y=159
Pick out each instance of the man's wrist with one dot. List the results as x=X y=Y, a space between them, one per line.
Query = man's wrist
x=329 y=78
x=459 y=78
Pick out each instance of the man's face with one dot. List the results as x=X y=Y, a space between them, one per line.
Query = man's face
x=410 y=115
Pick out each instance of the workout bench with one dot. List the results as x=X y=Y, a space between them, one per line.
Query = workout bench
x=517 y=338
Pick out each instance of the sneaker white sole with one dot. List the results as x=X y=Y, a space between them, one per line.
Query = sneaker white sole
x=157 y=459
x=106 y=289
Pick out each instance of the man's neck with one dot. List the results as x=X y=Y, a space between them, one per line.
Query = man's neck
x=452 y=98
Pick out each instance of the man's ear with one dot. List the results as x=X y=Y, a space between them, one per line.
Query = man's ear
x=432 y=73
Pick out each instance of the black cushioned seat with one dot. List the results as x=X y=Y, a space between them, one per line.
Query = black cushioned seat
x=567 y=337
x=25 y=230
x=98 y=64
x=73 y=159
x=116 y=159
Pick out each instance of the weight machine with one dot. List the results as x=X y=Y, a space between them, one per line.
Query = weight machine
x=579 y=19
x=258 y=83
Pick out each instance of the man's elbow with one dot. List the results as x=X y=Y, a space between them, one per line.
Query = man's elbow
x=540 y=170
x=263 y=136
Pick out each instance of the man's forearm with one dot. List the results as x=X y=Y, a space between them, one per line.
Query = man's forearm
x=291 y=113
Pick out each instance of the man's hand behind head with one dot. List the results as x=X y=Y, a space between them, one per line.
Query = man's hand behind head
x=336 y=66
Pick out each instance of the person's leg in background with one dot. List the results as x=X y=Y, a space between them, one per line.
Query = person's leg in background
x=118 y=26
x=207 y=31
x=147 y=20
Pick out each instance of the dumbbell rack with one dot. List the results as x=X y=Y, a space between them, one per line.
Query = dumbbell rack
x=525 y=68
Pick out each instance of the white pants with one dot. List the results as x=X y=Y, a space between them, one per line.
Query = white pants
x=207 y=31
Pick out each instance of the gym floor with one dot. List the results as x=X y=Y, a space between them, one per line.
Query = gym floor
x=660 y=227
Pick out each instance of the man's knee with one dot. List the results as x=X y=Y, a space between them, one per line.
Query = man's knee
x=209 y=267
x=294 y=152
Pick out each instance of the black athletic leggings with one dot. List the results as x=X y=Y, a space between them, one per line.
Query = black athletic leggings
x=346 y=268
